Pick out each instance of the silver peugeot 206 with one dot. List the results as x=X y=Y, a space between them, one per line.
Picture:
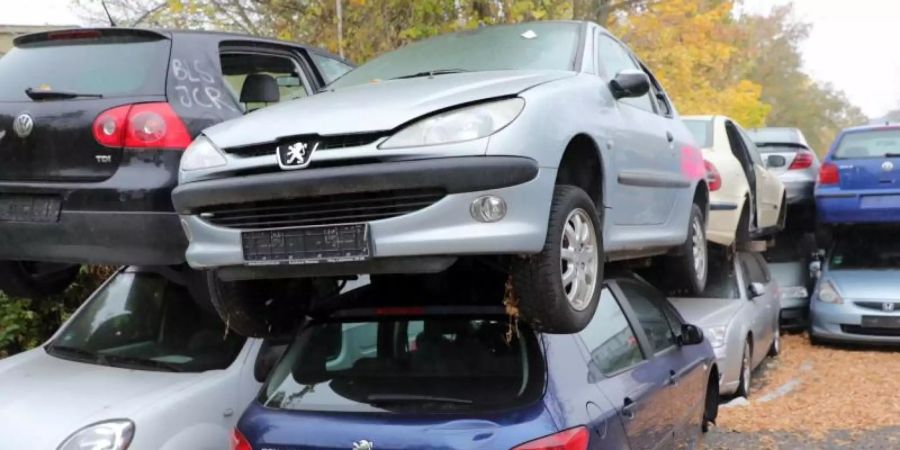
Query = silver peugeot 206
x=546 y=149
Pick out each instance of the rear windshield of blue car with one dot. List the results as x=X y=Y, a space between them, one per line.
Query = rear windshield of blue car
x=874 y=251
x=884 y=143
x=111 y=66
x=535 y=46
x=431 y=364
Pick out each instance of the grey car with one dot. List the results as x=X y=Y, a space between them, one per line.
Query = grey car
x=857 y=296
x=789 y=156
x=789 y=261
x=739 y=313
x=547 y=147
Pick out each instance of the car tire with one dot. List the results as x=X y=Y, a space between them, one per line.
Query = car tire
x=549 y=302
x=775 y=349
x=36 y=280
x=269 y=309
x=711 y=404
x=686 y=271
x=745 y=379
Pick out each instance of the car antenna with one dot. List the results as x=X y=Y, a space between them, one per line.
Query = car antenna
x=112 y=22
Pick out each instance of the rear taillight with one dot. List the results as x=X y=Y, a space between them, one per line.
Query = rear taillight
x=713 y=178
x=571 y=439
x=803 y=160
x=239 y=442
x=142 y=125
x=829 y=174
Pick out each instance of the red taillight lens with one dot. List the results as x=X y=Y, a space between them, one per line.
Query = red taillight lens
x=143 y=125
x=829 y=174
x=713 y=178
x=239 y=442
x=571 y=439
x=803 y=160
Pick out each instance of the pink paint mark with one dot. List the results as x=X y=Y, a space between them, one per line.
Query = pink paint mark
x=692 y=163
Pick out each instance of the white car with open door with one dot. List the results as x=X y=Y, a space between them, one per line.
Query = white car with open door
x=747 y=201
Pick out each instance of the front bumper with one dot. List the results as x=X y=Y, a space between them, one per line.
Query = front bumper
x=441 y=229
x=843 y=323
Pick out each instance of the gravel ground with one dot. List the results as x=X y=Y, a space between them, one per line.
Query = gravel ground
x=816 y=397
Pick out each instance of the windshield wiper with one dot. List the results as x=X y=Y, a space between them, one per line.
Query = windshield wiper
x=431 y=73
x=412 y=398
x=74 y=351
x=142 y=362
x=57 y=95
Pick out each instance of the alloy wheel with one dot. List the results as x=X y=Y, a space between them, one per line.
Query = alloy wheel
x=579 y=259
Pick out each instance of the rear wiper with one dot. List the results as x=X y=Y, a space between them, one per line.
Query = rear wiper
x=57 y=95
x=412 y=398
x=431 y=73
x=142 y=362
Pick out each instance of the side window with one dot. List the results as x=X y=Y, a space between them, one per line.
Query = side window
x=613 y=58
x=330 y=68
x=257 y=80
x=610 y=339
x=664 y=105
x=751 y=147
x=647 y=306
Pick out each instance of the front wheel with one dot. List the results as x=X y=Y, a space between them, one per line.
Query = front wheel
x=558 y=289
x=775 y=349
x=743 y=389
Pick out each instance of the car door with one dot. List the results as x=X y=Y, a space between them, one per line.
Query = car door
x=635 y=385
x=642 y=148
x=768 y=186
x=762 y=310
x=686 y=376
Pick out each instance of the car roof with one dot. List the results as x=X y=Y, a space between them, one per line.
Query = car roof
x=880 y=126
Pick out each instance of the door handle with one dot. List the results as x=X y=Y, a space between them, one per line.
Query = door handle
x=628 y=409
x=670 y=137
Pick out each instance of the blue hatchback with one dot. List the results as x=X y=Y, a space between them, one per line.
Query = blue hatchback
x=859 y=180
x=467 y=377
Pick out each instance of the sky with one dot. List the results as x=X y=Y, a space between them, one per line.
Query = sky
x=850 y=44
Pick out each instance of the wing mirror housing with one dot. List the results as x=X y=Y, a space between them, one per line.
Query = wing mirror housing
x=629 y=83
x=690 y=335
x=776 y=161
x=757 y=290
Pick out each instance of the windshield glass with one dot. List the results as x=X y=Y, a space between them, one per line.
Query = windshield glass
x=144 y=321
x=538 y=46
x=702 y=131
x=877 y=250
x=869 y=144
x=426 y=364
x=109 y=66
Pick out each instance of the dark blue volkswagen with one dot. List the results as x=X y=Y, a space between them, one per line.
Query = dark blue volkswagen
x=467 y=377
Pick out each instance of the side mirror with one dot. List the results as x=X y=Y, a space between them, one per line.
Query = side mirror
x=757 y=290
x=269 y=354
x=690 y=335
x=815 y=269
x=775 y=161
x=629 y=83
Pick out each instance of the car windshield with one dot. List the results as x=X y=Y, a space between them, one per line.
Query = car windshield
x=538 y=46
x=869 y=144
x=702 y=131
x=112 y=66
x=877 y=250
x=144 y=321
x=415 y=364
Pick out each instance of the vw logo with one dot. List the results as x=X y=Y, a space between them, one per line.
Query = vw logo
x=23 y=125
x=887 y=307
x=363 y=445
x=887 y=166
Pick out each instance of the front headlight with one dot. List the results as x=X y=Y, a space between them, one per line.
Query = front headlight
x=828 y=293
x=458 y=125
x=202 y=154
x=109 y=435
x=716 y=336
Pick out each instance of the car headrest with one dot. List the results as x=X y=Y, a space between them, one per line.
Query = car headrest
x=260 y=88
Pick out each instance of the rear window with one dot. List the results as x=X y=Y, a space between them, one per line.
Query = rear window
x=702 y=131
x=869 y=144
x=111 y=66
x=777 y=136
x=413 y=365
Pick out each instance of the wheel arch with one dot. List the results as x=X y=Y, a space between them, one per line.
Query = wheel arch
x=582 y=165
x=701 y=198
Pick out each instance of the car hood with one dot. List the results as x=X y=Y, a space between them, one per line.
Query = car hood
x=866 y=284
x=45 y=399
x=707 y=312
x=376 y=106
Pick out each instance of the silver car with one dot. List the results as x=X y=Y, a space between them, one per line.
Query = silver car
x=857 y=297
x=789 y=261
x=548 y=146
x=739 y=313
x=788 y=155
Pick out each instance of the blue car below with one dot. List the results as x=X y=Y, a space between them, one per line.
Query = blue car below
x=467 y=377
x=859 y=180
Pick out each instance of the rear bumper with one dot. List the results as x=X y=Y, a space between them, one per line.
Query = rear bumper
x=799 y=191
x=849 y=207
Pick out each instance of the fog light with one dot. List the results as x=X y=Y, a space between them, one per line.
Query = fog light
x=488 y=209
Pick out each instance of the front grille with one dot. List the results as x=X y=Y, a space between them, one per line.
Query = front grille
x=870 y=331
x=325 y=143
x=322 y=210
x=878 y=305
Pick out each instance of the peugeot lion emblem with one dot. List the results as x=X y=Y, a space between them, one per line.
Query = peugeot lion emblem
x=887 y=307
x=295 y=156
x=23 y=125
x=363 y=445
x=887 y=166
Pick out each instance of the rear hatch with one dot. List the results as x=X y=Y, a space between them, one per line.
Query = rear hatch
x=415 y=381
x=59 y=82
x=869 y=159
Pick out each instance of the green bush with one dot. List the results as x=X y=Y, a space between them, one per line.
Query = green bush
x=26 y=323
